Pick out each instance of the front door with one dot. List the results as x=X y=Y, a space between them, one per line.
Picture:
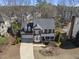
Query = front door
x=37 y=38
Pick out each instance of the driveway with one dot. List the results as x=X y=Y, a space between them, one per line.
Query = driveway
x=26 y=49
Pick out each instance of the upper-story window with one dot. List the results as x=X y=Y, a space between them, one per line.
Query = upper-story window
x=48 y=31
x=37 y=32
x=45 y=31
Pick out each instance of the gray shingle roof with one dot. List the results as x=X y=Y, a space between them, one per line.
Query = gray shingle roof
x=45 y=23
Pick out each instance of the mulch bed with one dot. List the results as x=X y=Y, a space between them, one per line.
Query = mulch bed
x=50 y=50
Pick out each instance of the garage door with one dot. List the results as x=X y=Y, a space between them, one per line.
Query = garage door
x=27 y=36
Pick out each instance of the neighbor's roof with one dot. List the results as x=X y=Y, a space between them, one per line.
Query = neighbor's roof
x=45 y=23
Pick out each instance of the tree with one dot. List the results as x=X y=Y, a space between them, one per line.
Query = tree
x=15 y=27
x=66 y=8
x=62 y=8
x=73 y=9
x=47 y=10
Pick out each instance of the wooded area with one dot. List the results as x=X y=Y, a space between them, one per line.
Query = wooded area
x=46 y=9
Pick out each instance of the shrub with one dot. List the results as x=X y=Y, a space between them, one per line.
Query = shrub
x=57 y=39
x=18 y=40
x=15 y=27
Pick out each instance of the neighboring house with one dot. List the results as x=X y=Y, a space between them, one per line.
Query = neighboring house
x=4 y=25
x=42 y=29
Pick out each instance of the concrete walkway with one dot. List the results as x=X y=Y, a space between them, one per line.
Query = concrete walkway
x=26 y=51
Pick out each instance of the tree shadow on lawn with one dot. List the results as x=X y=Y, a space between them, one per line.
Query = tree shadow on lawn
x=68 y=44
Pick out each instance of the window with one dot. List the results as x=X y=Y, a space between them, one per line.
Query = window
x=51 y=37
x=45 y=31
x=47 y=37
x=36 y=32
x=50 y=31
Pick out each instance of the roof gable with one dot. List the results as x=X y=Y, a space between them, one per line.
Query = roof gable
x=37 y=26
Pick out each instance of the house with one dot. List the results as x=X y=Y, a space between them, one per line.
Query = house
x=41 y=29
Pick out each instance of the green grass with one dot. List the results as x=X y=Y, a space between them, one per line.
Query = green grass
x=2 y=40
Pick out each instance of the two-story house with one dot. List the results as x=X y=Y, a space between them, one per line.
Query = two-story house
x=43 y=29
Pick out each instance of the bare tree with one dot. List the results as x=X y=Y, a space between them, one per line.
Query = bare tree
x=47 y=10
x=67 y=8
x=62 y=8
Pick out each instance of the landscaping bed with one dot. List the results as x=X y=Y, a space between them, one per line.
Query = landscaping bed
x=64 y=54
x=7 y=50
x=11 y=52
